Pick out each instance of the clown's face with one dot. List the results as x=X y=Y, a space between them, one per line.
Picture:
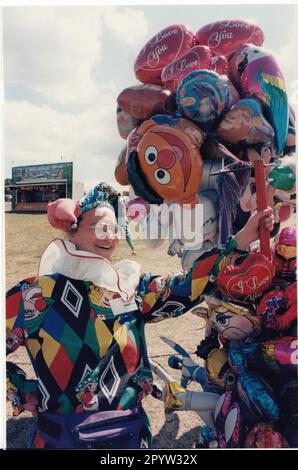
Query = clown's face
x=171 y=163
x=97 y=232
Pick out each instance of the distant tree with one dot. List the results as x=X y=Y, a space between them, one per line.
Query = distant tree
x=7 y=182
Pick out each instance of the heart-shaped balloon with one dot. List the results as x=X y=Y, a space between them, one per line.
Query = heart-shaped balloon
x=224 y=37
x=199 y=57
x=247 y=280
x=220 y=64
x=165 y=47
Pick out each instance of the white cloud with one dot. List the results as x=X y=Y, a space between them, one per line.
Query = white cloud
x=51 y=50
x=41 y=134
x=53 y=55
x=287 y=58
x=129 y=25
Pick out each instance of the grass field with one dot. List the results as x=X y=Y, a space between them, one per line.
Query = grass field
x=26 y=238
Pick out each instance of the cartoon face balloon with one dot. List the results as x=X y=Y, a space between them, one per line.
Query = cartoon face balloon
x=203 y=96
x=232 y=321
x=245 y=122
x=284 y=254
x=170 y=160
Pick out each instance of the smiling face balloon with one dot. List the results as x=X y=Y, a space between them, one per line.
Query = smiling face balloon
x=245 y=122
x=170 y=160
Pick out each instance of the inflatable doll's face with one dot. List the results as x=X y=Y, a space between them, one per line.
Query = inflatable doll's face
x=219 y=369
x=171 y=163
x=284 y=253
x=232 y=322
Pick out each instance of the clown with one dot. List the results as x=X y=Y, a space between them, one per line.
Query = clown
x=93 y=318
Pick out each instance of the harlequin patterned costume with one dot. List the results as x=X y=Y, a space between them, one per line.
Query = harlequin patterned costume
x=85 y=356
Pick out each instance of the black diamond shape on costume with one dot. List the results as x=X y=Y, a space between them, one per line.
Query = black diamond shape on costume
x=72 y=298
x=71 y=302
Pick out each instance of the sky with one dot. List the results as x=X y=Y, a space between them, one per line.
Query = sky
x=64 y=66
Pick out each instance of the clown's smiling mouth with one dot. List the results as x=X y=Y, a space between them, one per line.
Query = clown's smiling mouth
x=104 y=247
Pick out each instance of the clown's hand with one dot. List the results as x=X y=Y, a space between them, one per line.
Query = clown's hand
x=62 y=213
x=250 y=231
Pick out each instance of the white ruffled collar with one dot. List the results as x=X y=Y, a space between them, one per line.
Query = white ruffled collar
x=61 y=256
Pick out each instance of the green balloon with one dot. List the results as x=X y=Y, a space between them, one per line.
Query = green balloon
x=283 y=178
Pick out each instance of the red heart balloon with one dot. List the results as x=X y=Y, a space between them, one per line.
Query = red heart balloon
x=224 y=37
x=247 y=280
x=220 y=64
x=165 y=47
x=199 y=57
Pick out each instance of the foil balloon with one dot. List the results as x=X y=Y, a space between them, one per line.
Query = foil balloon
x=290 y=146
x=233 y=321
x=143 y=101
x=224 y=37
x=199 y=57
x=284 y=254
x=280 y=354
x=277 y=309
x=165 y=47
x=248 y=280
x=220 y=64
x=264 y=436
x=228 y=421
x=167 y=162
x=210 y=227
x=125 y=123
x=285 y=210
x=120 y=168
x=152 y=230
x=257 y=398
x=203 y=96
x=289 y=408
x=218 y=370
x=245 y=123
x=257 y=74
x=283 y=176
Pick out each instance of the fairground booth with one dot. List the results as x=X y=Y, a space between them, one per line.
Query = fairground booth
x=34 y=186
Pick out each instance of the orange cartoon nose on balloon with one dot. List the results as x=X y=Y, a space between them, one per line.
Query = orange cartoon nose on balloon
x=171 y=162
x=166 y=159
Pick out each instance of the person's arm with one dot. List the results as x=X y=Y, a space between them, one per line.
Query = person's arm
x=173 y=295
x=22 y=304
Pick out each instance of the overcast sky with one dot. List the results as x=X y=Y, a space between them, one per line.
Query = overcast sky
x=65 y=66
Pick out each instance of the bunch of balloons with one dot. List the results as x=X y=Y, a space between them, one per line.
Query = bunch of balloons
x=207 y=100
x=251 y=354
